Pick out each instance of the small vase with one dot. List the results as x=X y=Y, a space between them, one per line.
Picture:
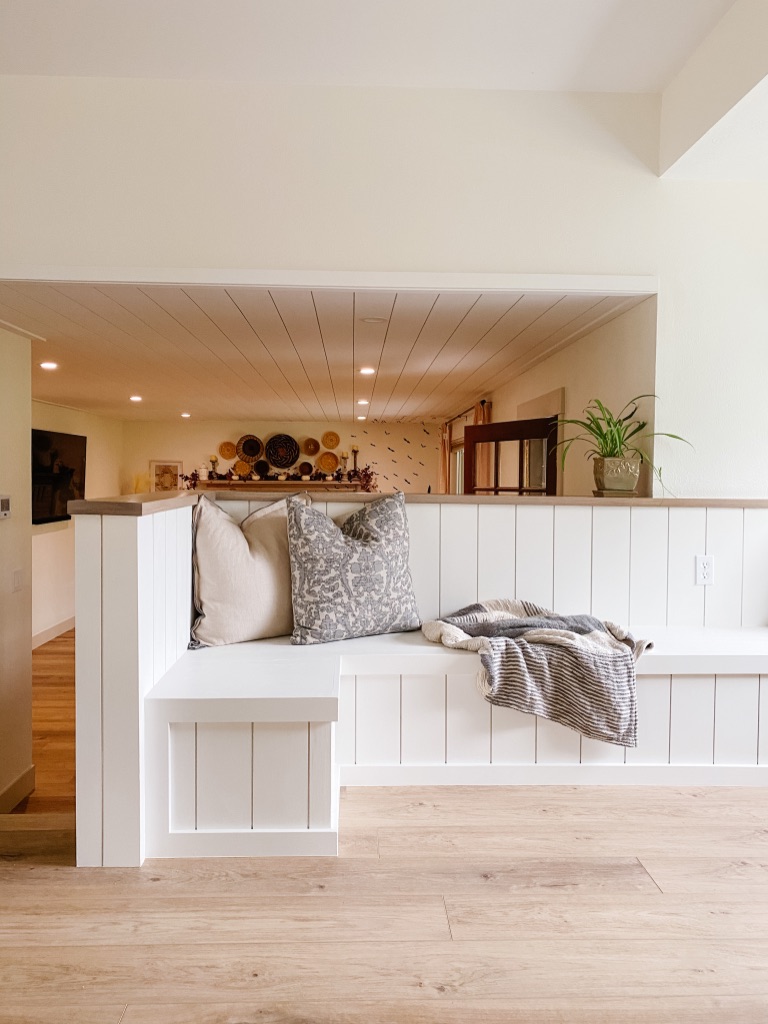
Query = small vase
x=619 y=476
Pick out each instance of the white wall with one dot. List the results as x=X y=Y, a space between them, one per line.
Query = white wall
x=614 y=363
x=16 y=771
x=172 y=174
x=410 y=466
x=53 y=544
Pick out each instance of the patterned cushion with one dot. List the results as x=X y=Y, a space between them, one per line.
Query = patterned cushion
x=241 y=575
x=351 y=580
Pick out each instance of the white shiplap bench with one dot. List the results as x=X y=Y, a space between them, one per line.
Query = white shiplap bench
x=241 y=750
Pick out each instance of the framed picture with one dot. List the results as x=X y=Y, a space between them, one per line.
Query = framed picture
x=165 y=475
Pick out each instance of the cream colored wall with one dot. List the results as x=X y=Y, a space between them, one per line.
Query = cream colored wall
x=53 y=544
x=614 y=363
x=16 y=772
x=404 y=455
x=228 y=175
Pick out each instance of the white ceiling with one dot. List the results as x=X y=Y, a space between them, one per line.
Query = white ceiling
x=288 y=353
x=547 y=45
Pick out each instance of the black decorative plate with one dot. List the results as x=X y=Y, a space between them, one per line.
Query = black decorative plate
x=249 y=448
x=262 y=468
x=282 y=451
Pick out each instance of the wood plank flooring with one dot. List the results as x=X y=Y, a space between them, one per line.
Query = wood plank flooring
x=460 y=905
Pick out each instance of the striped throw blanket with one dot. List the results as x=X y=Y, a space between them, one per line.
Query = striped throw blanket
x=572 y=669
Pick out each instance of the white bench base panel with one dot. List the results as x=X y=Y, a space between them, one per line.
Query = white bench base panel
x=410 y=715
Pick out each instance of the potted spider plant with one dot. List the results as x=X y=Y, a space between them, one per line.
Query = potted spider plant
x=616 y=445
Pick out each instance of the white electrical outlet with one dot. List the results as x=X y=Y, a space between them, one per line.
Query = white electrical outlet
x=705 y=570
x=18 y=579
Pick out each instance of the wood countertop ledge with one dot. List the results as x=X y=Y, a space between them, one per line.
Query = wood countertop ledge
x=148 y=504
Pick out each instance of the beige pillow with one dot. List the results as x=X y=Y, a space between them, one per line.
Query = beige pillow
x=241 y=575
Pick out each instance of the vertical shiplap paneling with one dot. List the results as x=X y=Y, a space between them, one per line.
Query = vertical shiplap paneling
x=598 y=752
x=610 y=564
x=534 y=554
x=323 y=776
x=468 y=722
x=573 y=560
x=147 y=623
x=555 y=744
x=692 y=720
x=160 y=584
x=341 y=510
x=458 y=557
x=183 y=578
x=423 y=725
x=725 y=542
x=496 y=551
x=377 y=702
x=424 y=530
x=652 y=721
x=237 y=510
x=224 y=765
x=345 y=727
x=280 y=771
x=687 y=538
x=648 y=566
x=88 y=691
x=181 y=782
x=121 y=701
x=513 y=736
x=736 y=719
x=171 y=544
x=762 y=745
x=755 y=588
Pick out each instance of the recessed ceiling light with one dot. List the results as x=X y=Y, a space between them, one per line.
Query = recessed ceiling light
x=362 y=417
x=363 y=401
x=367 y=370
x=49 y=366
x=185 y=415
x=374 y=319
x=135 y=398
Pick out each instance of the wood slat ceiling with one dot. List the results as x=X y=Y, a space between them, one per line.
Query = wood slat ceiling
x=289 y=353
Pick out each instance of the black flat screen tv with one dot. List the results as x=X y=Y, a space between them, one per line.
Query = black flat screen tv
x=58 y=474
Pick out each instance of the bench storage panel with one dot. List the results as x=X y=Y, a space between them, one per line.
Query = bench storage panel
x=241 y=752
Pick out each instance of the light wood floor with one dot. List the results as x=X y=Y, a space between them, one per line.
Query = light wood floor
x=448 y=906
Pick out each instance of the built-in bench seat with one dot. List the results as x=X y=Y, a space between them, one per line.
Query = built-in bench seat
x=241 y=750
x=242 y=737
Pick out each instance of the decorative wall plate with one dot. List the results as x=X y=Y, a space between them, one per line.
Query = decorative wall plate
x=328 y=462
x=243 y=468
x=282 y=450
x=311 y=446
x=250 y=448
x=262 y=468
x=227 y=450
x=305 y=468
x=331 y=439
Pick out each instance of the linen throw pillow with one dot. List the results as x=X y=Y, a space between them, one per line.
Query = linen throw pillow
x=241 y=575
x=350 y=580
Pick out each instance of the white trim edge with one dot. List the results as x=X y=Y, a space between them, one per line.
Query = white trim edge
x=52 y=632
x=20 y=788
x=554 y=775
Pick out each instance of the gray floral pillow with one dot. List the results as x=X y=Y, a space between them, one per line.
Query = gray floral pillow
x=351 y=580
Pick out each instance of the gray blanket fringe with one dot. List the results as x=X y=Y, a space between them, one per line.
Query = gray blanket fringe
x=571 y=669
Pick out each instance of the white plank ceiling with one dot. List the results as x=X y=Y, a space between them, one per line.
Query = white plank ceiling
x=288 y=353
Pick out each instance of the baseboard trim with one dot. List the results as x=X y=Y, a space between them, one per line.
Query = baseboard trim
x=18 y=789
x=554 y=775
x=52 y=632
